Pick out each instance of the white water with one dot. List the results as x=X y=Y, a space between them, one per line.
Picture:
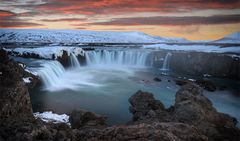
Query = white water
x=56 y=78
x=165 y=66
x=118 y=58
x=50 y=72
x=74 y=61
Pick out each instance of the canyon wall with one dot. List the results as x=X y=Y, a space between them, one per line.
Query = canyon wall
x=200 y=64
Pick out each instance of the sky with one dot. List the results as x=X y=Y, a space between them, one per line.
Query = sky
x=190 y=19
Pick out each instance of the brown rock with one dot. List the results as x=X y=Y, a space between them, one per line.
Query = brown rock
x=82 y=118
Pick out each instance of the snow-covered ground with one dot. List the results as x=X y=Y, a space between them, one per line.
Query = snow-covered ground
x=72 y=36
x=27 y=79
x=48 y=52
x=49 y=116
x=55 y=36
x=197 y=48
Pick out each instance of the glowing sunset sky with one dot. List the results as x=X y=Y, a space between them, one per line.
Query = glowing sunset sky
x=191 y=19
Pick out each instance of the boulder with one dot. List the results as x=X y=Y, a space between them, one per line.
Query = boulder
x=82 y=118
x=157 y=79
x=144 y=106
x=206 y=84
x=191 y=107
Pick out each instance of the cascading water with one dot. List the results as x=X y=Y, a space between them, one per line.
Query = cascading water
x=165 y=66
x=50 y=72
x=74 y=61
x=118 y=57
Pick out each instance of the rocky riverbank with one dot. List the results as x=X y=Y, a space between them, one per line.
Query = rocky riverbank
x=192 y=117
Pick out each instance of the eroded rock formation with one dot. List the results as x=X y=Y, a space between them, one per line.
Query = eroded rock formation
x=191 y=107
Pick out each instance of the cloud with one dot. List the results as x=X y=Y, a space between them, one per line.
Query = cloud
x=9 y=19
x=93 y=7
x=26 y=11
x=162 y=20
x=64 y=20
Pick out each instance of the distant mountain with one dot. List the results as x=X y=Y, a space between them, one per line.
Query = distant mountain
x=72 y=36
x=171 y=39
x=232 y=38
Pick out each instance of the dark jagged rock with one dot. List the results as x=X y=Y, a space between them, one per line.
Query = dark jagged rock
x=181 y=82
x=191 y=107
x=82 y=118
x=142 y=132
x=207 y=85
x=144 y=106
x=14 y=97
x=64 y=59
x=157 y=79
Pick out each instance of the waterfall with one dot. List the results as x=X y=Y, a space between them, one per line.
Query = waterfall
x=165 y=66
x=74 y=61
x=130 y=58
x=50 y=72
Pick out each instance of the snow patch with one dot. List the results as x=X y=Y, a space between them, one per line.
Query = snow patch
x=27 y=79
x=48 y=52
x=197 y=48
x=49 y=116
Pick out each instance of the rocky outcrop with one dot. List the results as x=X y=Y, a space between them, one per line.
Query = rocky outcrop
x=157 y=79
x=64 y=59
x=82 y=118
x=205 y=84
x=200 y=63
x=14 y=97
x=191 y=107
x=142 y=132
x=144 y=106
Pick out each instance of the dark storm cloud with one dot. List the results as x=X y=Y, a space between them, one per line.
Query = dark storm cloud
x=161 y=20
x=10 y=19
x=64 y=19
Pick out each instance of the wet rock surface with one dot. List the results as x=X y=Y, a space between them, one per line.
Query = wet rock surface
x=191 y=107
x=192 y=117
x=157 y=79
x=205 y=84
x=82 y=118
x=200 y=63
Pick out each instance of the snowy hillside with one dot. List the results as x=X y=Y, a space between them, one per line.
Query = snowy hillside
x=72 y=36
x=232 y=38
x=171 y=39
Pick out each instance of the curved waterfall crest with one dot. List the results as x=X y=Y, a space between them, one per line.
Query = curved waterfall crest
x=130 y=58
x=49 y=72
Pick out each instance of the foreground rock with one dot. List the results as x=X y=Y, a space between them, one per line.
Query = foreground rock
x=191 y=107
x=14 y=97
x=82 y=118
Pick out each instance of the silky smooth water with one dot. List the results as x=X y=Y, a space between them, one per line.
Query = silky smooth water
x=102 y=90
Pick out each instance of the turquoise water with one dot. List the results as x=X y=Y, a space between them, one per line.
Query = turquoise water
x=110 y=97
